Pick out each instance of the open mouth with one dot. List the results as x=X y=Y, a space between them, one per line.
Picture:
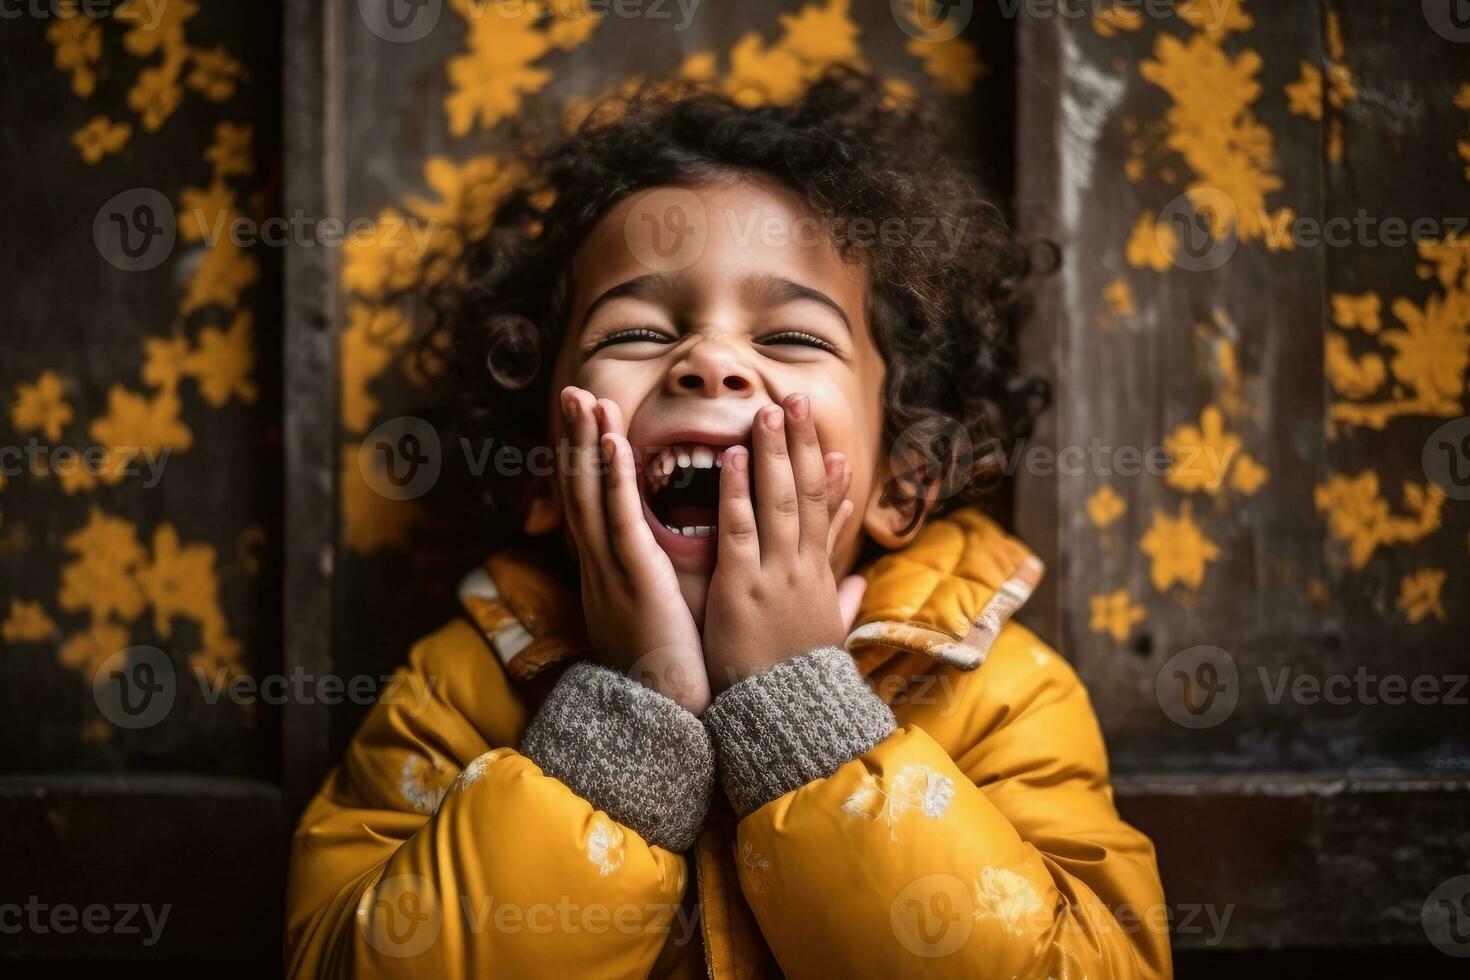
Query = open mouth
x=681 y=488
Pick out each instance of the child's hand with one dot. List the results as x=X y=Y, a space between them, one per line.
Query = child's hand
x=636 y=620
x=773 y=595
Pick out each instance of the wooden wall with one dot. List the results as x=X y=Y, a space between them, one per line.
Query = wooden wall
x=1250 y=626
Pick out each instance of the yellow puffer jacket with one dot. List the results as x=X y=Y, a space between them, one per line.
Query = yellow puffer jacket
x=978 y=840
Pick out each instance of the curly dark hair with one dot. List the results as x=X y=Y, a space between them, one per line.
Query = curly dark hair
x=945 y=307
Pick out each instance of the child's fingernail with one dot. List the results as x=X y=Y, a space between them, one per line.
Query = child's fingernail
x=798 y=407
x=737 y=459
x=773 y=419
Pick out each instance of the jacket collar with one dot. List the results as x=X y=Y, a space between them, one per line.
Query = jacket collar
x=946 y=596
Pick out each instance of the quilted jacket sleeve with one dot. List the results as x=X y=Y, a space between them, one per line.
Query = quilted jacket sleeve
x=439 y=849
x=868 y=850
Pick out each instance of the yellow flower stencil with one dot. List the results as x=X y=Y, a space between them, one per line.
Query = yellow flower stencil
x=953 y=64
x=77 y=40
x=1105 y=506
x=157 y=94
x=180 y=581
x=100 y=579
x=214 y=73
x=85 y=651
x=1361 y=311
x=1428 y=355
x=41 y=406
x=100 y=137
x=1419 y=595
x=1247 y=475
x=1359 y=518
x=1211 y=125
x=372 y=339
x=1201 y=454
x=135 y=423
x=1115 y=614
x=157 y=27
x=1350 y=376
x=229 y=154
x=1119 y=302
x=204 y=211
x=1152 y=244
x=223 y=362
x=1179 y=549
x=27 y=623
x=1111 y=21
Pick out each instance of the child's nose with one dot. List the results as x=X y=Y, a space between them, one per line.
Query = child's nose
x=711 y=369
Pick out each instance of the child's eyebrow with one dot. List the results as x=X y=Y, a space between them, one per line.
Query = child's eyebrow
x=651 y=286
x=764 y=289
x=772 y=290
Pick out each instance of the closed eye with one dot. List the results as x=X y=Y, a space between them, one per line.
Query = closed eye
x=635 y=335
x=798 y=337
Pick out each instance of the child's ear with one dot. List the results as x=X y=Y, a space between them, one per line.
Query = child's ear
x=542 y=513
x=886 y=521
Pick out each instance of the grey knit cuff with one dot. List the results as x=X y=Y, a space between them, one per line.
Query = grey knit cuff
x=800 y=720
x=628 y=750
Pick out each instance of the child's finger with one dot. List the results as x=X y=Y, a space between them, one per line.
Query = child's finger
x=776 y=509
x=839 y=521
x=839 y=480
x=738 y=541
x=628 y=532
x=808 y=471
x=850 y=598
x=581 y=484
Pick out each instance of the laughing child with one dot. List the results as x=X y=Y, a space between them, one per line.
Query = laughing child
x=764 y=342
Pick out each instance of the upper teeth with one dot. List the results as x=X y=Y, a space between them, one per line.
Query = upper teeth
x=662 y=464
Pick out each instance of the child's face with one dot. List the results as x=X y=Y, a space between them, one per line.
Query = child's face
x=691 y=346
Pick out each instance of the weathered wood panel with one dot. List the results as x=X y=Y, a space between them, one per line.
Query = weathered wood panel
x=1292 y=608
x=140 y=529
x=139 y=379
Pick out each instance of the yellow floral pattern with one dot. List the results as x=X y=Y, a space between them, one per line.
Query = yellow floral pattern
x=118 y=582
x=1419 y=595
x=1179 y=550
x=1105 y=506
x=1115 y=614
x=1360 y=520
